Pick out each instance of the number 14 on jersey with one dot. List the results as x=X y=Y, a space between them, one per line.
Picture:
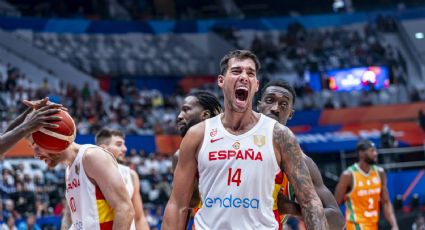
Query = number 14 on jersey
x=234 y=176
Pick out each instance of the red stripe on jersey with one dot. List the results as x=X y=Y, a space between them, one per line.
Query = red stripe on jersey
x=106 y=225
x=99 y=194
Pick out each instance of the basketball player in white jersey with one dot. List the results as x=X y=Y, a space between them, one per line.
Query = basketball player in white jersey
x=114 y=141
x=237 y=155
x=95 y=191
x=197 y=106
x=26 y=124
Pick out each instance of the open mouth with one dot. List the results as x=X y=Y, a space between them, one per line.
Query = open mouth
x=241 y=94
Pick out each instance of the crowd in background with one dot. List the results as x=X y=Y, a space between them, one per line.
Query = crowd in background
x=190 y=9
x=29 y=189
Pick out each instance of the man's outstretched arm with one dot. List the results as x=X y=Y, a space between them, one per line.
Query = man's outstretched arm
x=27 y=123
x=184 y=179
x=293 y=165
x=333 y=213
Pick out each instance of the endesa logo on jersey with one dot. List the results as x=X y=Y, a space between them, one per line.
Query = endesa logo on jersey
x=231 y=202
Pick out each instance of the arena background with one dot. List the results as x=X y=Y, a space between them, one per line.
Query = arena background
x=128 y=64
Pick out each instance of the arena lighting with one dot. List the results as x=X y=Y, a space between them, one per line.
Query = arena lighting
x=369 y=76
x=419 y=35
x=357 y=78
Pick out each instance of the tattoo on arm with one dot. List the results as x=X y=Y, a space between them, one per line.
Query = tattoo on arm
x=296 y=170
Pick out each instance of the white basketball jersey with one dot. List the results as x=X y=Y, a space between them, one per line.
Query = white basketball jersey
x=125 y=172
x=237 y=177
x=88 y=207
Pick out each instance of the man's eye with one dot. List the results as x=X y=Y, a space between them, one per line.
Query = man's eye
x=269 y=100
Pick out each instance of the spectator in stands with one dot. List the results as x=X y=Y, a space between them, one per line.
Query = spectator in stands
x=29 y=223
x=9 y=224
x=387 y=138
x=23 y=199
x=421 y=119
x=9 y=210
x=419 y=223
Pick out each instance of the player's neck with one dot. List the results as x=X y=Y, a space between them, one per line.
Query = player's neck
x=365 y=167
x=71 y=153
x=235 y=122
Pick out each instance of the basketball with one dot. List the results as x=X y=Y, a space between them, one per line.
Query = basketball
x=56 y=139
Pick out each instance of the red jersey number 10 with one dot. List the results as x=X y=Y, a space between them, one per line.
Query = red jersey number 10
x=234 y=177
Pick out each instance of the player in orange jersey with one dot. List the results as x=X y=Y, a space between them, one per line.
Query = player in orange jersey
x=363 y=186
x=277 y=101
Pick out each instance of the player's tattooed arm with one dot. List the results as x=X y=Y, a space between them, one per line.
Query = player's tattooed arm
x=293 y=165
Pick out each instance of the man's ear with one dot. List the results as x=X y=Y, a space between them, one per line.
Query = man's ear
x=220 y=80
x=205 y=115
x=258 y=105
x=291 y=114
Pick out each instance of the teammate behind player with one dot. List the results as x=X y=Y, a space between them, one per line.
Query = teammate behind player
x=238 y=154
x=95 y=191
x=277 y=102
x=113 y=141
x=27 y=122
x=363 y=186
x=197 y=106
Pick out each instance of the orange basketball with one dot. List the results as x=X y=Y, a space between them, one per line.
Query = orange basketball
x=56 y=139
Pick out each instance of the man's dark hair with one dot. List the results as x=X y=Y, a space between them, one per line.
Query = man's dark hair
x=104 y=135
x=280 y=83
x=241 y=55
x=208 y=101
x=364 y=144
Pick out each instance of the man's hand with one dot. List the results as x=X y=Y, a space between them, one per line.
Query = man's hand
x=41 y=118
x=37 y=104
x=286 y=206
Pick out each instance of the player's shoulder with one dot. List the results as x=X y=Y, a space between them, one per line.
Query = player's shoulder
x=95 y=154
x=279 y=129
x=196 y=129
x=348 y=172
x=379 y=169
